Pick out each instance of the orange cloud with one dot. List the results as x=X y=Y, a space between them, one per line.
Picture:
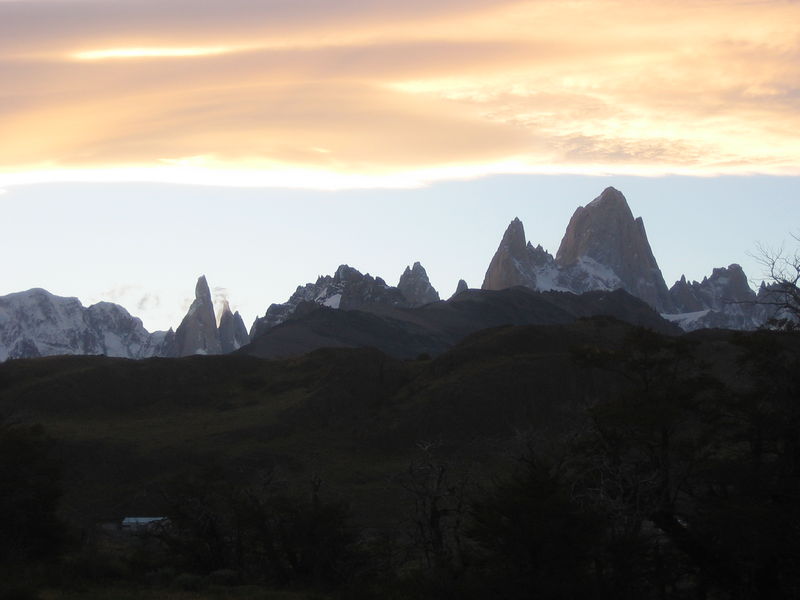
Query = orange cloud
x=377 y=93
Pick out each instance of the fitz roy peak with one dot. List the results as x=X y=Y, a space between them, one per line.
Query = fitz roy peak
x=605 y=233
x=604 y=248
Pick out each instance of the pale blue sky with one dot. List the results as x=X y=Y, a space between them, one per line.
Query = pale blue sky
x=290 y=97
x=143 y=245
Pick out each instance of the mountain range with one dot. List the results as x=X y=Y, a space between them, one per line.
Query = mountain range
x=604 y=265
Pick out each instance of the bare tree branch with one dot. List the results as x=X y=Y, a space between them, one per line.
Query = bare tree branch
x=782 y=272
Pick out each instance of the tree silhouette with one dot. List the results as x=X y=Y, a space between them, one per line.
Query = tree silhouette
x=782 y=269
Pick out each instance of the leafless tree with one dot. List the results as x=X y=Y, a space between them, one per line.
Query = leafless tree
x=782 y=269
x=438 y=491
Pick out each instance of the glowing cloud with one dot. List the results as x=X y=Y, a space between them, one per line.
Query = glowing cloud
x=375 y=94
x=116 y=53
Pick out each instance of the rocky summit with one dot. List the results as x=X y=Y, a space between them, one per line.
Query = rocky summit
x=197 y=333
x=605 y=233
x=512 y=264
x=461 y=287
x=722 y=300
x=416 y=287
x=347 y=289
x=232 y=331
x=604 y=248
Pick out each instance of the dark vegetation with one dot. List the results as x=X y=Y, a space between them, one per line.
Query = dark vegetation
x=586 y=460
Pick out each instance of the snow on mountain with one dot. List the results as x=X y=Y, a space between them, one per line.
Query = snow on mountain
x=604 y=248
x=347 y=289
x=604 y=233
x=38 y=323
x=723 y=300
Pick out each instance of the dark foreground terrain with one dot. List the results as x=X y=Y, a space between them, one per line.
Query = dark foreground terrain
x=591 y=459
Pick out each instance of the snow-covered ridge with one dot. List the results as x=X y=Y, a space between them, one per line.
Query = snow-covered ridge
x=606 y=248
x=38 y=323
x=724 y=300
x=347 y=289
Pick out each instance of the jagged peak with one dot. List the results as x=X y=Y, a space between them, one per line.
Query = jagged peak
x=201 y=289
x=225 y=313
x=612 y=205
x=607 y=232
x=610 y=195
x=416 y=287
x=416 y=269
x=345 y=272
x=514 y=236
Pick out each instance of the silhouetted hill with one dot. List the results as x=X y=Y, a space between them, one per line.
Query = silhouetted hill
x=125 y=427
x=592 y=397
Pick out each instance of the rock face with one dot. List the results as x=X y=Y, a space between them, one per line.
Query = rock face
x=519 y=263
x=38 y=323
x=232 y=332
x=510 y=265
x=348 y=289
x=604 y=248
x=724 y=288
x=416 y=287
x=723 y=300
x=197 y=333
x=461 y=287
x=604 y=233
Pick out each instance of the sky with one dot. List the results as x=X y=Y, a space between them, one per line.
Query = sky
x=263 y=143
